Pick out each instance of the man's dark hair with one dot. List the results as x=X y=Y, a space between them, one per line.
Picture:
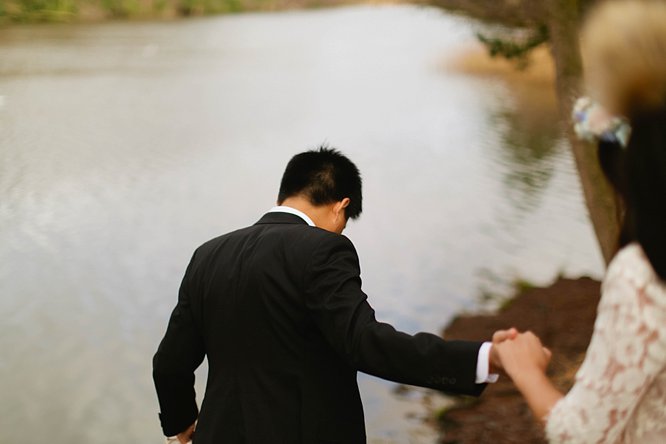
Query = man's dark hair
x=323 y=176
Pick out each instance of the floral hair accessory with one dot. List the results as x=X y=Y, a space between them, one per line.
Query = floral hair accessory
x=593 y=123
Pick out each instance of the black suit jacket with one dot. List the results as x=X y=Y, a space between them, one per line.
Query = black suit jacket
x=278 y=310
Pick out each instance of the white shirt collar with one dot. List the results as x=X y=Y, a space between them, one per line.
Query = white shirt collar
x=294 y=211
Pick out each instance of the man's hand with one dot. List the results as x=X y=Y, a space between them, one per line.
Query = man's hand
x=186 y=436
x=495 y=363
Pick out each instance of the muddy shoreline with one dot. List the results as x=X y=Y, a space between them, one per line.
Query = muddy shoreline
x=562 y=315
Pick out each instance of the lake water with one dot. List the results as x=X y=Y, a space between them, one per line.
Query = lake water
x=123 y=146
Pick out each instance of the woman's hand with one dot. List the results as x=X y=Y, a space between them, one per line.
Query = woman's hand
x=523 y=355
x=525 y=360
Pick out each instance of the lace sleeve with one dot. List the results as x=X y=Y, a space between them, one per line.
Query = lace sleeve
x=624 y=356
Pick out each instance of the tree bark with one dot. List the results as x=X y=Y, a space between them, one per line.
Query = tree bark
x=563 y=23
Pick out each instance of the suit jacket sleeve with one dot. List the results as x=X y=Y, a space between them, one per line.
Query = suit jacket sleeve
x=179 y=354
x=340 y=309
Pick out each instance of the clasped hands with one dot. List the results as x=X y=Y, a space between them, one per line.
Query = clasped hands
x=518 y=354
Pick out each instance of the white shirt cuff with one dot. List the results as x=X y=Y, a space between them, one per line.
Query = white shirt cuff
x=483 y=364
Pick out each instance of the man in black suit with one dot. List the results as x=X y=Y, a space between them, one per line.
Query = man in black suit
x=278 y=310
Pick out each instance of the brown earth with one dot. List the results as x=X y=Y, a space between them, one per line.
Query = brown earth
x=562 y=315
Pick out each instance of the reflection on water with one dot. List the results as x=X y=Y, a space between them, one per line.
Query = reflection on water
x=125 y=145
x=529 y=142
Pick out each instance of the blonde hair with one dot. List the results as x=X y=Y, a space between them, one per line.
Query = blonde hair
x=624 y=53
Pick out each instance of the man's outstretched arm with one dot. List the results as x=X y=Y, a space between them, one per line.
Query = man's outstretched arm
x=340 y=309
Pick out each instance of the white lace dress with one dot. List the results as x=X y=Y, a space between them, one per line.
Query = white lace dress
x=620 y=390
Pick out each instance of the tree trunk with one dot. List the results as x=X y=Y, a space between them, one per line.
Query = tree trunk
x=563 y=23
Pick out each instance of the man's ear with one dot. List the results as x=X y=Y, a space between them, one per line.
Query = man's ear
x=340 y=206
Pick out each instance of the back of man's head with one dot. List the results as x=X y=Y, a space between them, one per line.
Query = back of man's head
x=323 y=176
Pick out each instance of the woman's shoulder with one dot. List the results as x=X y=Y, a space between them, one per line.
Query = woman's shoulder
x=630 y=271
x=631 y=263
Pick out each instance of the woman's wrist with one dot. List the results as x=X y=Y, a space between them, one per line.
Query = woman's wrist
x=539 y=392
x=529 y=378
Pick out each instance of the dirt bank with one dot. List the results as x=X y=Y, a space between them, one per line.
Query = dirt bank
x=532 y=89
x=562 y=315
